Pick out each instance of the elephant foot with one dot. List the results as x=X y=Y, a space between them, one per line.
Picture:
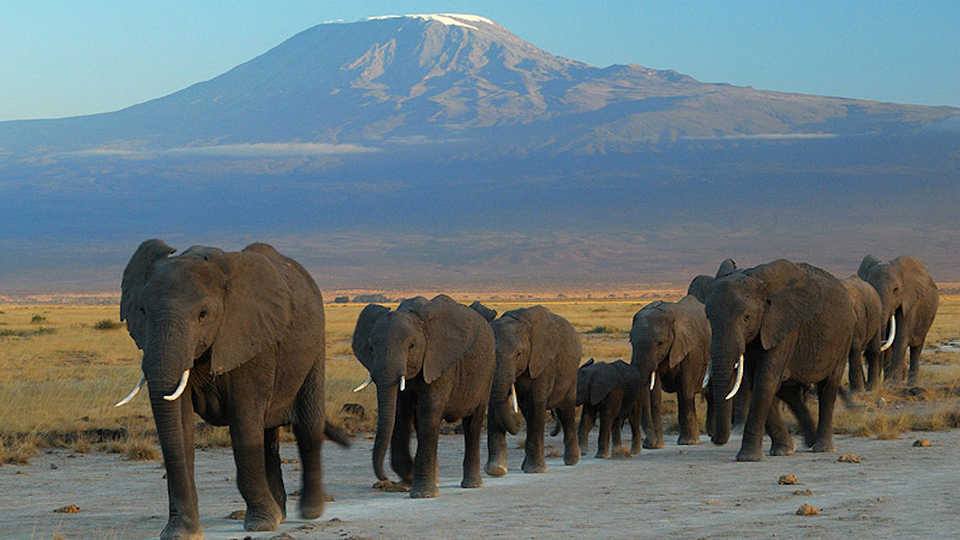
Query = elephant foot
x=471 y=482
x=782 y=450
x=178 y=530
x=261 y=520
x=823 y=446
x=750 y=455
x=495 y=468
x=652 y=444
x=636 y=448
x=685 y=440
x=605 y=454
x=571 y=456
x=529 y=466
x=311 y=506
x=424 y=492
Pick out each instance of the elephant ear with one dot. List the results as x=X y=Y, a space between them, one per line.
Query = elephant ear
x=916 y=282
x=135 y=277
x=868 y=262
x=544 y=341
x=451 y=330
x=257 y=309
x=793 y=297
x=602 y=383
x=690 y=325
x=700 y=287
x=487 y=313
x=361 y=333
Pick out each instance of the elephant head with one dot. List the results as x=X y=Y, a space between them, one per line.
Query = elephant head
x=700 y=286
x=204 y=309
x=418 y=339
x=525 y=341
x=661 y=333
x=761 y=307
x=595 y=380
x=901 y=283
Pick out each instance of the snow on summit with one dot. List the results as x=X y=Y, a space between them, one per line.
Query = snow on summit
x=449 y=19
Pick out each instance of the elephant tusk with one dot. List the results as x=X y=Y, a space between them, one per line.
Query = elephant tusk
x=403 y=383
x=653 y=379
x=180 y=388
x=706 y=377
x=736 y=385
x=513 y=398
x=363 y=385
x=132 y=393
x=893 y=332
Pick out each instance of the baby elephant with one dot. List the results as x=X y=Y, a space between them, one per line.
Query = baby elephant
x=609 y=391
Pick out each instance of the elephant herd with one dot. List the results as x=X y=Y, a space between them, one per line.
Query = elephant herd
x=238 y=338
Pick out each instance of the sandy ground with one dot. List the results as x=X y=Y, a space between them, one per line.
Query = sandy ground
x=690 y=492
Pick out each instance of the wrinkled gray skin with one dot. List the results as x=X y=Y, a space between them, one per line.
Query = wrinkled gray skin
x=538 y=352
x=249 y=326
x=671 y=339
x=793 y=324
x=611 y=393
x=866 y=333
x=907 y=291
x=446 y=352
x=700 y=288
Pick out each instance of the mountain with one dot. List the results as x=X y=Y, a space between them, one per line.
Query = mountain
x=446 y=134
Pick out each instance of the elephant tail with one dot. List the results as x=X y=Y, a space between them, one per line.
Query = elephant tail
x=336 y=434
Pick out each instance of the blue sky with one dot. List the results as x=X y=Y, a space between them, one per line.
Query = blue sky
x=68 y=58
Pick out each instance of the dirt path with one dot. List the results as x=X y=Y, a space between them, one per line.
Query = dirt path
x=690 y=492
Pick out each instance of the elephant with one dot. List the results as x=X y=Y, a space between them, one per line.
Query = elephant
x=791 y=325
x=610 y=392
x=487 y=313
x=237 y=337
x=909 y=300
x=537 y=357
x=866 y=342
x=431 y=361
x=671 y=351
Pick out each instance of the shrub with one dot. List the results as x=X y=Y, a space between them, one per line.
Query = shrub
x=107 y=324
x=37 y=319
x=602 y=330
x=341 y=300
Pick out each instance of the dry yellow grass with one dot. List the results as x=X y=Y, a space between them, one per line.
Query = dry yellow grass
x=59 y=387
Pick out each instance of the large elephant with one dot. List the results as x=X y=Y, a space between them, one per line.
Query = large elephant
x=866 y=342
x=237 y=337
x=671 y=351
x=908 y=296
x=611 y=393
x=431 y=361
x=791 y=325
x=537 y=357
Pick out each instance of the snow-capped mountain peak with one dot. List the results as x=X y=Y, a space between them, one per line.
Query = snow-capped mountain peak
x=448 y=19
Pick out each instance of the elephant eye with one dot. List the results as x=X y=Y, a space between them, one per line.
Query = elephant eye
x=203 y=314
x=659 y=343
x=746 y=317
x=143 y=311
x=410 y=347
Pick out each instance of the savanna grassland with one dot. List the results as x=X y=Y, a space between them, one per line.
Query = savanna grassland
x=62 y=367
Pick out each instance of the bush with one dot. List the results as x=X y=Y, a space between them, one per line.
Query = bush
x=602 y=330
x=341 y=300
x=7 y=332
x=107 y=324
x=37 y=319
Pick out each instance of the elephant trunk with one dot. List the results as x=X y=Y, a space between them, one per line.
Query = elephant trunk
x=721 y=375
x=503 y=397
x=177 y=459
x=386 y=416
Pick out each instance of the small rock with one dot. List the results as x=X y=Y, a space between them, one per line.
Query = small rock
x=788 y=480
x=848 y=458
x=713 y=502
x=922 y=443
x=328 y=497
x=807 y=491
x=68 y=509
x=391 y=487
x=54 y=466
x=237 y=514
x=19 y=472
x=335 y=520
x=281 y=536
x=287 y=461
x=807 y=510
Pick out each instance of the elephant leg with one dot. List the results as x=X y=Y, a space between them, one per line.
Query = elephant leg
x=872 y=358
x=654 y=429
x=271 y=445
x=616 y=433
x=914 y=363
x=424 y=484
x=263 y=513
x=472 y=429
x=606 y=424
x=781 y=441
x=761 y=401
x=636 y=438
x=496 y=445
x=827 y=392
x=586 y=424
x=308 y=429
x=710 y=412
x=571 y=444
x=855 y=371
x=793 y=395
x=898 y=362
x=535 y=411
x=400 y=459
x=687 y=417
